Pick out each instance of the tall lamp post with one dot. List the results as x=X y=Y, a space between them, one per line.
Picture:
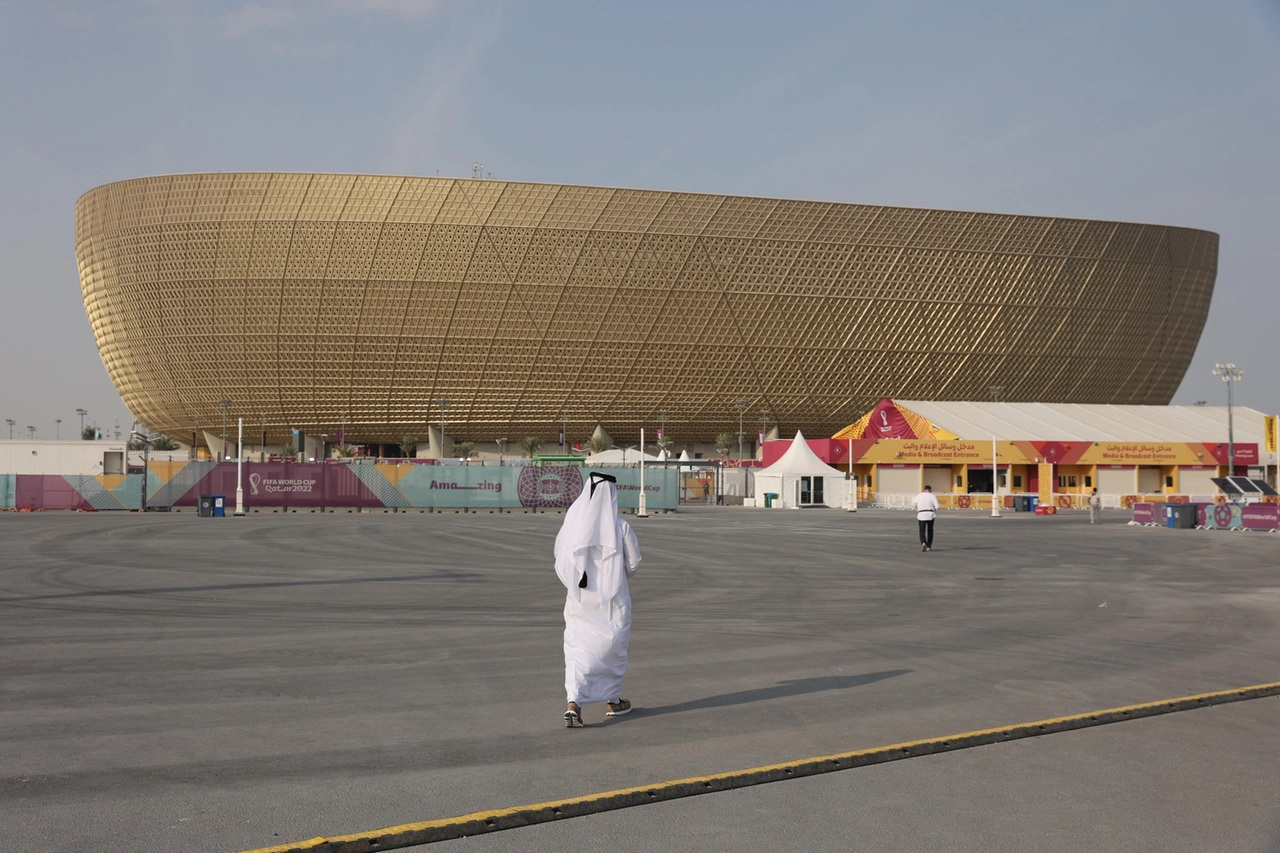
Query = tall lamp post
x=995 y=461
x=58 y=427
x=31 y=433
x=10 y=422
x=742 y=404
x=642 y=501
x=1230 y=374
x=239 y=465
x=225 y=404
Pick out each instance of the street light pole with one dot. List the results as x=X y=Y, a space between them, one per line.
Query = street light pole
x=225 y=404
x=1230 y=374
x=239 y=465
x=742 y=404
x=11 y=422
x=641 y=504
x=995 y=462
x=852 y=502
x=81 y=413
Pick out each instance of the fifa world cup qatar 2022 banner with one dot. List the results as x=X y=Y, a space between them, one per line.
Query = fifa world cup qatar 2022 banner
x=314 y=485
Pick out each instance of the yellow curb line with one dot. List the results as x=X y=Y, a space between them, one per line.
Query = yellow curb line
x=478 y=823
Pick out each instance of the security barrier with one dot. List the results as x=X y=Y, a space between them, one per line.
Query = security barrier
x=311 y=486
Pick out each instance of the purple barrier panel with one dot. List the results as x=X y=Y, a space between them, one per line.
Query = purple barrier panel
x=1260 y=516
x=47 y=491
x=1144 y=513
x=284 y=484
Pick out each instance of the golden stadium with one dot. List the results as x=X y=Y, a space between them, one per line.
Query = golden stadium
x=316 y=301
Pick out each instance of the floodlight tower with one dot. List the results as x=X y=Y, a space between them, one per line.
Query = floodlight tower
x=1230 y=374
x=742 y=404
x=996 y=390
x=225 y=404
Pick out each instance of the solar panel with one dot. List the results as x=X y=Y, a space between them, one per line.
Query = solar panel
x=1225 y=485
x=1244 y=485
x=1265 y=487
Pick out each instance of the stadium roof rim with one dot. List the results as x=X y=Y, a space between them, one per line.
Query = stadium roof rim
x=1035 y=216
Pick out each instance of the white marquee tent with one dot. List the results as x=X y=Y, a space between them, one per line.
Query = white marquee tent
x=801 y=479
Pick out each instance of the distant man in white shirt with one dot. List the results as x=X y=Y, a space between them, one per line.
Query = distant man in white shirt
x=926 y=504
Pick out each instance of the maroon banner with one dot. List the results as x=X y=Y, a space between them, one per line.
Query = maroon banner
x=1246 y=454
x=1260 y=516
x=887 y=422
x=1144 y=513
x=295 y=484
x=46 y=491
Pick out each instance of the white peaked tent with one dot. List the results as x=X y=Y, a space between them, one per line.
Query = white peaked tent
x=800 y=467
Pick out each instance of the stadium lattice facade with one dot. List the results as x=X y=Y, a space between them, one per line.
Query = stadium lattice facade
x=316 y=300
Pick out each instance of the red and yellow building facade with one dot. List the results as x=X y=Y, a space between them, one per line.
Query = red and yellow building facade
x=892 y=450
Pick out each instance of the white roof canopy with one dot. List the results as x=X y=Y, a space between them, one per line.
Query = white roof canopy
x=976 y=421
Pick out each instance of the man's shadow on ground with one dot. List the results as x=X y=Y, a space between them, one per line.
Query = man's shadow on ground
x=781 y=690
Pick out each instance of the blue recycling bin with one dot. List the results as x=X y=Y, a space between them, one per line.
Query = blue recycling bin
x=219 y=506
x=1033 y=501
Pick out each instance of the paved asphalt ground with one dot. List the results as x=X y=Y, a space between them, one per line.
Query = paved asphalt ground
x=170 y=683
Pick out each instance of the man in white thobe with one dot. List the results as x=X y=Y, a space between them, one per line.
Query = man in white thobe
x=596 y=552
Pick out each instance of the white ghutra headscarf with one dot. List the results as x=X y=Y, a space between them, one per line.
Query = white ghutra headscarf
x=589 y=545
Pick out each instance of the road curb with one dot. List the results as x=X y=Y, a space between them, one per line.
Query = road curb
x=480 y=823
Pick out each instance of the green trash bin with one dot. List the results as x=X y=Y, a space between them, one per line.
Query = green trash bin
x=769 y=498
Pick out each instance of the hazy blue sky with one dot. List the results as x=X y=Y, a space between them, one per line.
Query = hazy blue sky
x=1164 y=112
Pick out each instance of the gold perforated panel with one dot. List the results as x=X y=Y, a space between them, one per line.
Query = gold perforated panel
x=308 y=299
